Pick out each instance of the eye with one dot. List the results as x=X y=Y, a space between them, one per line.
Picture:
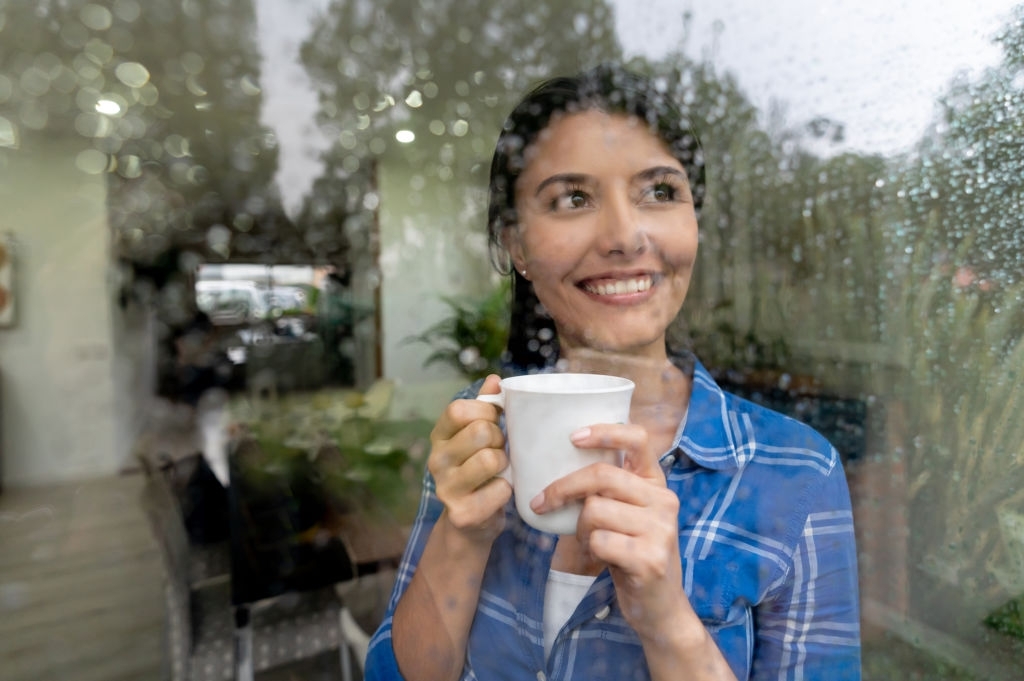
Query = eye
x=662 y=192
x=572 y=198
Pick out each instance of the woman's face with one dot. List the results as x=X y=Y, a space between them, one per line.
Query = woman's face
x=607 y=232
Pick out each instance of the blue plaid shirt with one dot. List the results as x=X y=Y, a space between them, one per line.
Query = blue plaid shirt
x=767 y=549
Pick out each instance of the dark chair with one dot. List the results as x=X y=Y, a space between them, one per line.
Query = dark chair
x=209 y=556
x=210 y=639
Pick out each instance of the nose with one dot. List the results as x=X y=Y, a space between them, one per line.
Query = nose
x=622 y=230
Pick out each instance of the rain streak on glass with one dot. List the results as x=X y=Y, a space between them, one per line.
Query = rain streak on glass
x=283 y=207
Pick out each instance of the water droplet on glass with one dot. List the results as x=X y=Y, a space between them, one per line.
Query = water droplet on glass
x=247 y=84
x=92 y=161
x=132 y=74
x=127 y=10
x=415 y=99
x=96 y=17
x=350 y=163
x=193 y=63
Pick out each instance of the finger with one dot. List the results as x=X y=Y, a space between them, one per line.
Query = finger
x=458 y=414
x=476 y=435
x=636 y=555
x=475 y=509
x=658 y=518
x=475 y=472
x=631 y=439
x=456 y=450
x=597 y=479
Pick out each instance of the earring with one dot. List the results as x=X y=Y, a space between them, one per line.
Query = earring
x=523 y=273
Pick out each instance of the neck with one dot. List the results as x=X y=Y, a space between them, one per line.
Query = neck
x=657 y=379
x=662 y=392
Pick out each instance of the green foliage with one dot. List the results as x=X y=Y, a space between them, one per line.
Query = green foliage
x=472 y=337
x=916 y=255
x=971 y=172
x=1009 y=618
x=465 y=62
x=963 y=417
x=724 y=348
x=327 y=443
x=893 y=659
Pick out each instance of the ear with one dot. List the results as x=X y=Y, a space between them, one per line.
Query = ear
x=512 y=242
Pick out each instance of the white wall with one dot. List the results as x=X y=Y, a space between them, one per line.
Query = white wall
x=76 y=369
x=58 y=398
x=433 y=244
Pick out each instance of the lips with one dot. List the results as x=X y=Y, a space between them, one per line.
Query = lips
x=609 y=286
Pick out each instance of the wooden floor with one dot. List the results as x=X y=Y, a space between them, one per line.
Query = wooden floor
x=80 y=597
x=80 y=588
x=80 y=594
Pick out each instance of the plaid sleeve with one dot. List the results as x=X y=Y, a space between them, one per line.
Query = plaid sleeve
x=809 y=626
x=381 y=664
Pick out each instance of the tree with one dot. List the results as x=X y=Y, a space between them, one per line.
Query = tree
x=166 y=102
x=970 y=172
x=444 y=69
x=959 y=239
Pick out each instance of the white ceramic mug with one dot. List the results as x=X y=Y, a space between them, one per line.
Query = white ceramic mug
x=541 y=412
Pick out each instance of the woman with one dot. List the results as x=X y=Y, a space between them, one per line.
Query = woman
x=722 y=548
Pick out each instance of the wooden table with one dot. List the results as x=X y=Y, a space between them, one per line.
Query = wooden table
x=371 y=540
x=295 y=526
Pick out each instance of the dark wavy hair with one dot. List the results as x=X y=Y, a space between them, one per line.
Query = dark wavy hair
x=610 y=88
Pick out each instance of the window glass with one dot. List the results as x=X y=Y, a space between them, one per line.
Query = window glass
x=284 y=205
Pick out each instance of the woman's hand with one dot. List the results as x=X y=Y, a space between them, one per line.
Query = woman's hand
x=629 y=521
x=467 y=453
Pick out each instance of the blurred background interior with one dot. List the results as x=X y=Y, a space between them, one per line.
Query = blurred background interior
x=243 y=267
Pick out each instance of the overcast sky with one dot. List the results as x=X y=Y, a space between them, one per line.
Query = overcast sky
x=877 y=66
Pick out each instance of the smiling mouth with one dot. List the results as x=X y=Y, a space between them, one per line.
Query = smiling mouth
x=618 y=287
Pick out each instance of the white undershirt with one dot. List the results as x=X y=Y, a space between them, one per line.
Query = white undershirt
x=562 y=594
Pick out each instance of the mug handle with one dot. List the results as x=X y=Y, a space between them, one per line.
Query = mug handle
x=498 y=400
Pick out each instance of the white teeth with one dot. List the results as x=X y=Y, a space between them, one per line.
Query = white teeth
x=620 y=287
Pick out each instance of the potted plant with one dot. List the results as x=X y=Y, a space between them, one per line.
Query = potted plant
x=473 y=336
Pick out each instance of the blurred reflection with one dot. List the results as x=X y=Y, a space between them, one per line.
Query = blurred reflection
x=876 y=294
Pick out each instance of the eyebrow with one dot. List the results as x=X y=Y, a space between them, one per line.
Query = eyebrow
x=658 y=171
x=581 y=178
x=561 y=178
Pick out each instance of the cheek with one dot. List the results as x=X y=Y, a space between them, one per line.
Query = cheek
x=550 y=283
x=549 y=257
x=681 y=252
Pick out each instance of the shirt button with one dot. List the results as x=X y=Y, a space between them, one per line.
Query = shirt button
x=541 y=676
x=603 y=612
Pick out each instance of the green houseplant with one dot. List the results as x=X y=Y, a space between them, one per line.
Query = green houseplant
x=471 y=338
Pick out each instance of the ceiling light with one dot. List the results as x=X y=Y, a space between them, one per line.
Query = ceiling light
x=108 y=107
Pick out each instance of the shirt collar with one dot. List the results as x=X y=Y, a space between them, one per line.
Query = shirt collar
x=706 y=435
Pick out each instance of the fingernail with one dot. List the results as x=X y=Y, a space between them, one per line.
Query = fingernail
x=580 y=435
x=537 y=502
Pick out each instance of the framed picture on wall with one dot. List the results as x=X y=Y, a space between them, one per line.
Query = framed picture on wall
x=6 y=283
